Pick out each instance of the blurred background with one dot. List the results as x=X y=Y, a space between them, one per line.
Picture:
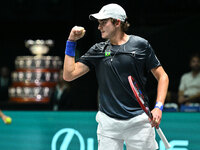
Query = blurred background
x=171 y=27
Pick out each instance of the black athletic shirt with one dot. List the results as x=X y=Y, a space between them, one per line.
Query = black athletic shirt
x=113 y=64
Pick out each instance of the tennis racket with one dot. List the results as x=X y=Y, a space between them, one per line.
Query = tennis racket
x=140 y=98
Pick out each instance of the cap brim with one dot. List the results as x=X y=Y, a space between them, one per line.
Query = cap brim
x=97 y=16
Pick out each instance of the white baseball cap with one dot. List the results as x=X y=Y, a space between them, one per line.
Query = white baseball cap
x=114 y=11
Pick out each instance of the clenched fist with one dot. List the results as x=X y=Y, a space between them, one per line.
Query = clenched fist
x=76 y=33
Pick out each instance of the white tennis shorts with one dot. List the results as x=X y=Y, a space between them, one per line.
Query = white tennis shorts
x=136 y=132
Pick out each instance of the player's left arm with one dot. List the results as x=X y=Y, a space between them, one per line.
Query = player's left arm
x=163 y=82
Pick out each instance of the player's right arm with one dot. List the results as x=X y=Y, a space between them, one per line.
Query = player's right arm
x=71 y=69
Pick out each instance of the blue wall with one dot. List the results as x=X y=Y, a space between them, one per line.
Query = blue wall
x=45 y=130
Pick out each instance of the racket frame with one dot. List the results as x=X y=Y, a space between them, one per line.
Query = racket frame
x=139 y=96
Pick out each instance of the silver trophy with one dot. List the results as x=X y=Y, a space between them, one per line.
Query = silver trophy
x=28 y=76
x=46 y=92
x=39 y=47
x=28 y=63
x=19 y=91
x=47 y=63
x=55 y=76
x=21 y=63
x=36 y=91
x=47 y=76
x=38 y=63
x=33 y=72
x=38 y=76
x=14 y=76
x=11 y=91
x=54 y=62
x=27 y=91
x=21 y=76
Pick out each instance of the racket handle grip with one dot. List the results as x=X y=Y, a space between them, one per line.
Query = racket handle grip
x=163 y=138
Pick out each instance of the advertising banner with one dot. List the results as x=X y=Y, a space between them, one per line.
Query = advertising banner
x=48 y=130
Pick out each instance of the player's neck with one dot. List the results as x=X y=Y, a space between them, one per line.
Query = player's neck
x=195 y=73
x=119 y=38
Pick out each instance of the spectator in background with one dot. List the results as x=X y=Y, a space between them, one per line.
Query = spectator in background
x=60 y=98
x=189 y=88
x=4 y=83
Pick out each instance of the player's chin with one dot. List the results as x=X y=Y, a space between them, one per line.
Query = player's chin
x=104 y=36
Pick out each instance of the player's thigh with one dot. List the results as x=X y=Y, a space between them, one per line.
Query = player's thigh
x=141 y=138
x=132 y=147
x=107 y=143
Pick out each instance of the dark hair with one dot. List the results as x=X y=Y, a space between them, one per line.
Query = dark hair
x=124 y=24
x=194 y=55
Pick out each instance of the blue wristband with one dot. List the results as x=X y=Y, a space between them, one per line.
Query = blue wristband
x=70 y=48
x=159 y=105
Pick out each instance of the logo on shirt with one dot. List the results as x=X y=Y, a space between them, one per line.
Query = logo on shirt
x=107 y=53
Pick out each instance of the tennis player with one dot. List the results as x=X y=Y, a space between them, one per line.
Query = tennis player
x=120 y=117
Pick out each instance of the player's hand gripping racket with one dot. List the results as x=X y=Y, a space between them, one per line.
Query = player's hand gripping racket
x=140 y=98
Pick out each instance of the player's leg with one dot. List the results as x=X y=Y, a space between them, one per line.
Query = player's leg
x=141 y=136
x=107 y=143
x=147 y=142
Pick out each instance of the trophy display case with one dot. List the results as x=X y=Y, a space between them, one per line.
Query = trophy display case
x=35 y=76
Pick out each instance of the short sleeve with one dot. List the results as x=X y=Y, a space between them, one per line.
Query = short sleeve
x=151 y=59
x=85 y=59
x=182 y=84
x=91 y=57
x=86 y=62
